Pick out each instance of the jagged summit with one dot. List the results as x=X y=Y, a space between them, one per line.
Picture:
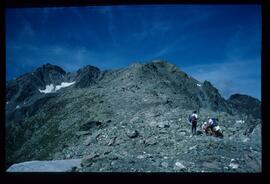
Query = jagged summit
x=50 y=68
x=86 y=76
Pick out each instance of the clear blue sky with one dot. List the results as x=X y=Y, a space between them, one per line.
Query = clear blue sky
x=219 y=43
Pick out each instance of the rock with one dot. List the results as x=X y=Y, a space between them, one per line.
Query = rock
x=140 y=156
x=182 y=133
x=88 y=159
x=91 y=139
x=112 y=141
x=80 y=133
x=179 y=166
x=193 y=147
x=46 y=166
x=164 y=164
x=254 y=164
x=233 y=165
x=246 y=139
x=89 y=125
x=132 y=133
x=163 y=125
x=255 y=136
x=151 y=141
x=212 y=165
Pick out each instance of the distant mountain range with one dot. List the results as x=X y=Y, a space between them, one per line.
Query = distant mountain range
x=53 y=114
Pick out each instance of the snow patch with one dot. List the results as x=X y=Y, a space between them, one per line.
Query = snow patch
x=17 y=107
x=63 y=85
x=48 y=89
x=51 y=89
x=199 y=85
x=240 y=121
x=7 y=103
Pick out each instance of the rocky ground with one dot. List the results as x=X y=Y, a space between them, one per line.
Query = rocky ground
x=133 y=120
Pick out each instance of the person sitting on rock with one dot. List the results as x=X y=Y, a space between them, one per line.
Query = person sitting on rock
x=212 y=122
x=206 y=129
x=193 y=120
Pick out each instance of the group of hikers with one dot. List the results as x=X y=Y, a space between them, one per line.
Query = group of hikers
x=209 y=127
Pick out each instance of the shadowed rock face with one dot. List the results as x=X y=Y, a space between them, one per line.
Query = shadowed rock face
x=245 y=104
x=86 y=76
x=26 y=86
x=131 y=119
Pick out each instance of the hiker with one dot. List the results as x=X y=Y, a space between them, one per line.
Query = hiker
x=214 y=127
x=206 y=129
x=193 y=120
x=212 y=122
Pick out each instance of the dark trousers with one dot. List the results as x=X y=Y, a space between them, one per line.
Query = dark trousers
x=193 y=127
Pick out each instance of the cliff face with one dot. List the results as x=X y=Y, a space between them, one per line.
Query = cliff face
x=124 y=120
x=245 y=104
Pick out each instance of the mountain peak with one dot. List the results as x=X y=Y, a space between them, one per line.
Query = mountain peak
x=49 y=67
x=86 y=76
x=245 y=104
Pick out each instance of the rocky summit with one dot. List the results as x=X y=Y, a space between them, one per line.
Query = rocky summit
x=130 y=119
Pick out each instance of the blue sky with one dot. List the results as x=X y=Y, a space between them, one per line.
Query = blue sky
x=219 y=43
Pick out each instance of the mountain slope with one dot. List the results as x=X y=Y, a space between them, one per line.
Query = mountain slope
x=245 y=104
x=131 y=119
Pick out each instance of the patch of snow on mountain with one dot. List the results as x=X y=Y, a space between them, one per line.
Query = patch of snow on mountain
x=17 y=107
x=51 y=89
x=199 y=85
x=63 y=85
x=48 y=89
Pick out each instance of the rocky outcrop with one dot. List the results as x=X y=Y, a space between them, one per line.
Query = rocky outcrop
x=86 y=76
x=214 y=100
x=245 y=104
x=47 y=166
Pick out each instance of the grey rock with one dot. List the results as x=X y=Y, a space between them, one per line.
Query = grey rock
x=80 y=133
x=164 y=164
x=179 y=166
x=46 y=166
x=132 y=133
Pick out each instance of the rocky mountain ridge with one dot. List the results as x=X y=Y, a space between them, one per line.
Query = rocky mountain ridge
x=124 y=119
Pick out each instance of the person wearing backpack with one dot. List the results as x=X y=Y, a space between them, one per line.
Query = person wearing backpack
x=193 y=120
x=212 y=122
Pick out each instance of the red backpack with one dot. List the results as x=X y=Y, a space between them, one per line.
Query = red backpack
x=193 y=119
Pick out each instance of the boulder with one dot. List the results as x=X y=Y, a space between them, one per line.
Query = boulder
x=68 y=165
x=132 y=133
x=178 y=166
